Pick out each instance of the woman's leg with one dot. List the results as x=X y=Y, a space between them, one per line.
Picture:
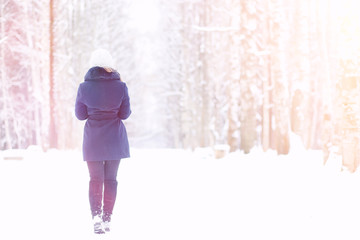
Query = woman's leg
x=110 y=187
x=96 y=171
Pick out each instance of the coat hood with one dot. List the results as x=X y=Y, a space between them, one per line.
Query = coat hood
x=99 y=73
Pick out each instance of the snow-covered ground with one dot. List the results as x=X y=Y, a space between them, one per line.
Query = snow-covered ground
x=182 y=194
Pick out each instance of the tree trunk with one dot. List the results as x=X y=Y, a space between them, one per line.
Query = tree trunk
x=52 y=125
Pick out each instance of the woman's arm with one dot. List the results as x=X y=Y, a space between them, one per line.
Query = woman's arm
x=125 y=111
x=80 y=108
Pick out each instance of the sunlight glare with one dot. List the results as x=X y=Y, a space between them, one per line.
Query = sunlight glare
x=348 y=20
x=144 y=15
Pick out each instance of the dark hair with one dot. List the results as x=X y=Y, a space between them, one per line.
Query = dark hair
x=108 y=69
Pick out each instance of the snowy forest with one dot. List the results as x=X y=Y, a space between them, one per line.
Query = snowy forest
x=200 y=73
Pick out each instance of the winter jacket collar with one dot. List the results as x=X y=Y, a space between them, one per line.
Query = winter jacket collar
x=100 y=74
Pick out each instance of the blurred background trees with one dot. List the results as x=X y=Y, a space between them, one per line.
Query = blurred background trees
x=241 y=73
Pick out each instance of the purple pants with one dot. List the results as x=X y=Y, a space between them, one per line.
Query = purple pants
x=103 y=187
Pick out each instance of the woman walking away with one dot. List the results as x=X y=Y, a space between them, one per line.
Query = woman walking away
x=103 y=101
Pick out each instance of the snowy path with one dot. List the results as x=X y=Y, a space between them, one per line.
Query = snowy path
x=177 y=194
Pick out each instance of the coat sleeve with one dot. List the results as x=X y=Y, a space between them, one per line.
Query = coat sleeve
x=125 y=111
x=80 y=108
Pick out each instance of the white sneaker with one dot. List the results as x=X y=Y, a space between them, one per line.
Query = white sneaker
x=98 y=227
x=106 y=226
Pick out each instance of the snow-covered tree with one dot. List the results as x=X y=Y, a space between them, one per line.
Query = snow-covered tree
x=24 y=73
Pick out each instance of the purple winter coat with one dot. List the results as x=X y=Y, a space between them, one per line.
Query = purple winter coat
x=103 y=100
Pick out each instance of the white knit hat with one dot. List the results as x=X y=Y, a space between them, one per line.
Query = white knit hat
x=101 y=58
